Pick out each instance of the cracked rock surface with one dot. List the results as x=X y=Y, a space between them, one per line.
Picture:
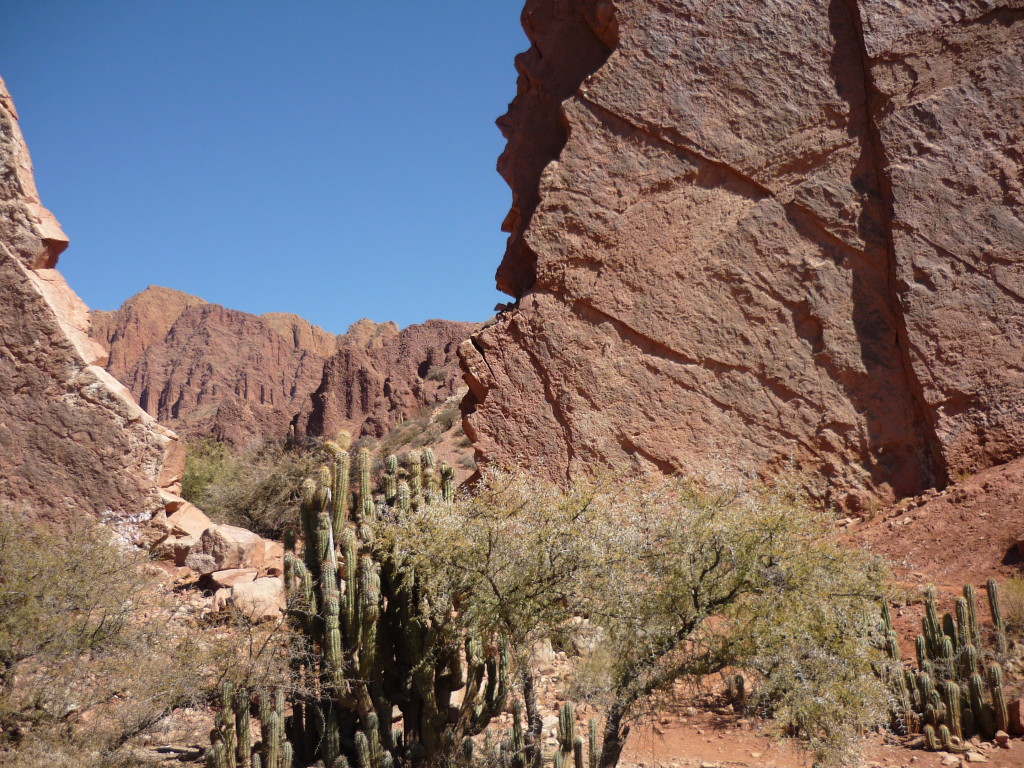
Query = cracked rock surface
x=752 y=233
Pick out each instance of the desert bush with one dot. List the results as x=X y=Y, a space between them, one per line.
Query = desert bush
x=448 y=417
x=436 y=373
x=207 y=461
x=681 y=584
x=89 y=657
x=96 y=651
x=255 y=488
x=1012 y=599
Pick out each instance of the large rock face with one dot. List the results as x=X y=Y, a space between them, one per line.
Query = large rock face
x=72 y=440
x=211 y=371
x=755 y=232
x=381 y=375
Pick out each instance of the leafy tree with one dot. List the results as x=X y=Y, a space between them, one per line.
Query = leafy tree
x=681 y=583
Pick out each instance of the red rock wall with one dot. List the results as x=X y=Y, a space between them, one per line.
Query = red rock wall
x=208 y=371
x=381 y=375
x=765 y=232
x=72 y=440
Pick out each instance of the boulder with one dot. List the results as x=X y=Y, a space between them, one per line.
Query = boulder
x=259 y=600
x=1016 y=724
x=224 y=547
x=231 y=577
x=188 y=520
x=221 y=547
x=174 y=548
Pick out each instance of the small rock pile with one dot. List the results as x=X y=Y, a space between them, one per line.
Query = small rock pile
x=242 y=570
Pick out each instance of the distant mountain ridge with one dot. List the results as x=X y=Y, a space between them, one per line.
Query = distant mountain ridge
x=212 y=371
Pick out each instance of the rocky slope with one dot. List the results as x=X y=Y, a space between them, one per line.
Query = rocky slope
x=748 y=233
x=73 y=440
x=211 y=371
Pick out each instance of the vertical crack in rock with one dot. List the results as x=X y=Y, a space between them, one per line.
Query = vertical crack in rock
x=875 y=106
x=818 y=204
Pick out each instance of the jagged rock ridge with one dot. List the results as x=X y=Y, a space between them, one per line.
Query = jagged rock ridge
x=73 y=440
x=763 y=233
x=211 y=371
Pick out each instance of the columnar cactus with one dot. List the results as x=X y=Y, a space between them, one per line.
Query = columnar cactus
x=447 y=483
x=948 y=699
x=930 y=625
x=963 y=625
x=997 y=617
x=372 y=642
x=972 y=615
x=566 y=728
x=1000 y=711
x=951 y=698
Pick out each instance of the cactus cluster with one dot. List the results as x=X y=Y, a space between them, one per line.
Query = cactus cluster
x=512 y=752
x=957 y=690
x=376 y=652
x=231 y=744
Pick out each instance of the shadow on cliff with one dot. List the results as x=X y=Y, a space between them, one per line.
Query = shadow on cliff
x=901 y=444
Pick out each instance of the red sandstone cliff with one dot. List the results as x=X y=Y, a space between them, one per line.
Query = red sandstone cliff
x=381 y=376
x=73 y=440
x=749 y=232
x=211 y=371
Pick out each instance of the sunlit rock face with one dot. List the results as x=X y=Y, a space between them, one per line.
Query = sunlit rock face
x=72 y=439
x=753 y=234
x=208 y=371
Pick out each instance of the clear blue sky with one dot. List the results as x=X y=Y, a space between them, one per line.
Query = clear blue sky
x=333 y=159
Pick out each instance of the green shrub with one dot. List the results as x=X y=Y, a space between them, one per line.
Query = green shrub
x=206 y=462
x=254 y=489
x=90 y=654
x=681 y=584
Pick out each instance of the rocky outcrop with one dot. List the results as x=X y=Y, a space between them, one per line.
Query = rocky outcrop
x=751 y=233
x=210 y=371
x=381 y=375
x=73 y=441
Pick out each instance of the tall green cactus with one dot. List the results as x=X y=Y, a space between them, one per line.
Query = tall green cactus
x=984 y=720
x=373 y=645
x=947 y=699
x=1000 y=711
x=930 y=625
x=951 y=698
x=997 y=617
x=447 y=483
x=972 y=615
